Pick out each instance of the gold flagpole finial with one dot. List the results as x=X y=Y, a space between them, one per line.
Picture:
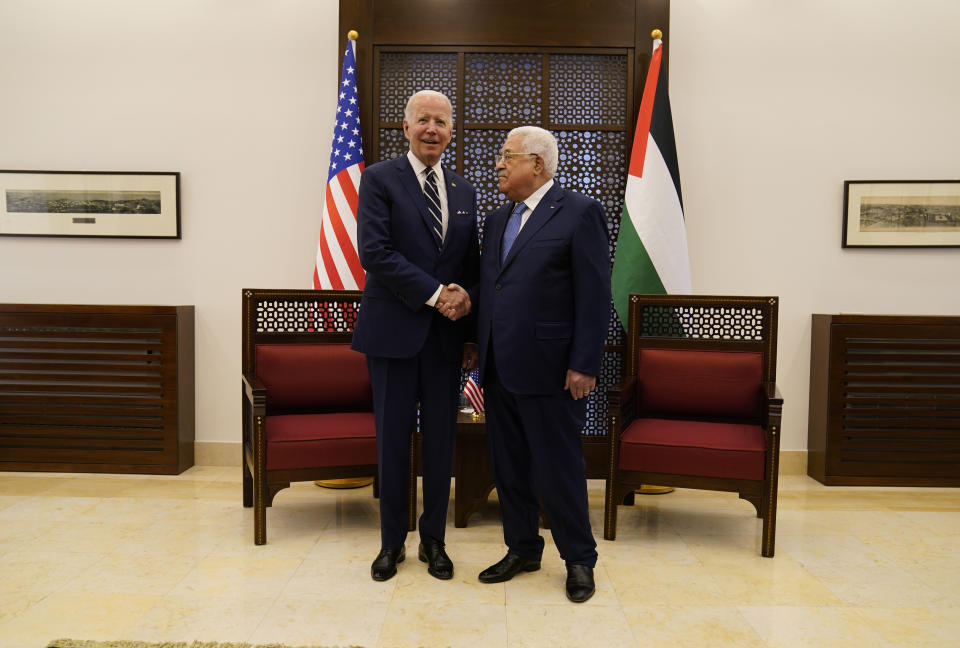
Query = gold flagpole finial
x=353 y=35
x=656 y=33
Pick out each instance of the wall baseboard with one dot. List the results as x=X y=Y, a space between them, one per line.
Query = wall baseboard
x=793 y=462
x=228 y=453
x=217 y=453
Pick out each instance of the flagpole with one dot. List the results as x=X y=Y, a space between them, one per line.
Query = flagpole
x=650 y=489
x=347 y=482
x=352 y=36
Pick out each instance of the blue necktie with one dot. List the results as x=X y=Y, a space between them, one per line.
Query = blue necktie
x=513 y=228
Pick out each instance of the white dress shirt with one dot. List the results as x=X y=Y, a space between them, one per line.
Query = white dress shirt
x=533 y=200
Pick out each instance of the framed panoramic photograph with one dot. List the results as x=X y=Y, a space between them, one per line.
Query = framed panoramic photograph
x=117 y=204
x=901 y=213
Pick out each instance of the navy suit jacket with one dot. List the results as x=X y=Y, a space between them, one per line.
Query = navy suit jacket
x=399 y=253
x=547 y=307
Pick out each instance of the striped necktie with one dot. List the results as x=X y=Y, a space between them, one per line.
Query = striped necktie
x=513 y=228
x=433 y=205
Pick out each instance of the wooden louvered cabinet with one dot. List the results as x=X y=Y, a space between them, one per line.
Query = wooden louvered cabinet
x=96 y=388
x=884 y=400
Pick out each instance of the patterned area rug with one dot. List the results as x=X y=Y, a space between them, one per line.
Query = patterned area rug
x=85 y=643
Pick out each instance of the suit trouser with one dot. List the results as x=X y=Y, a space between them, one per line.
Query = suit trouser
x=537 y=454
x=398 y=383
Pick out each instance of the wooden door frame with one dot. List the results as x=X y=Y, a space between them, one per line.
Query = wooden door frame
x=536 y=24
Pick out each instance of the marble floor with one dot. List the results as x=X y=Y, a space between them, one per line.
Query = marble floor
x=173 y=559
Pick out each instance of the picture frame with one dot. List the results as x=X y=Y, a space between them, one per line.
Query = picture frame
x=901 y=213
x=101 y=204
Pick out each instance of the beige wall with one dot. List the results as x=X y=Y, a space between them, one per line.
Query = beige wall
x=237 y=96
x=775 y=104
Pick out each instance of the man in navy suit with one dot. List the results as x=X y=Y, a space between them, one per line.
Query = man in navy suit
x=544 y=306
x=417 y=240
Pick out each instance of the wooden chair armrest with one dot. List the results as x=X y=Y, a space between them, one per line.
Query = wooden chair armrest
x=254 y=390
x=623 y=394
x=620 y=411
x=772 y=393
x=772 y=406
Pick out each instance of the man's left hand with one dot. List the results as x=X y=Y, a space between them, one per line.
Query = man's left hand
x=579 y=384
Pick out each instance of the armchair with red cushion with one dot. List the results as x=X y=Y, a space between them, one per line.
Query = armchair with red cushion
x=307 y=403
x=698 y=405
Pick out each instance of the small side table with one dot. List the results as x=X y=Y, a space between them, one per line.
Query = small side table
x=471 y=467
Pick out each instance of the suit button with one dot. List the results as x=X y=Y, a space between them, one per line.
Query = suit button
x=497 y=286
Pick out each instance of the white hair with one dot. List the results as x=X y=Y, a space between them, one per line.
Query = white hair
x=423 y=94
x=539 y=141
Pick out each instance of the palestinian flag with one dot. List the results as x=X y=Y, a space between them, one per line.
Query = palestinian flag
x=652 y=253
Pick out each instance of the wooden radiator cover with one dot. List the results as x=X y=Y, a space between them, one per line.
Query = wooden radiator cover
x=885 y=400
x=96 y=388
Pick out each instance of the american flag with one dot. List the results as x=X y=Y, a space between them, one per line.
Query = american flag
x=474 y=394
x=338 y=265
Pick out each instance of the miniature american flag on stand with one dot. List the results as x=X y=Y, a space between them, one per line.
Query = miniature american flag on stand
x=474 y=394
x=338 y=265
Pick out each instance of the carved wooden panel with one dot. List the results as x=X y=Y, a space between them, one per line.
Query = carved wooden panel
x=96 y=388
x=721 y=322
x=581 y=97
x=306 y=315
x=884 y=400
x=575 y=68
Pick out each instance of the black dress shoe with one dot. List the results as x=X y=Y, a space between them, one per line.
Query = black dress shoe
x=580 y=584
x=384 y=567
x=438 y=562
x=510 y=566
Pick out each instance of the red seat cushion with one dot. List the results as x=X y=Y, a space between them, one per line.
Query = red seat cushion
x=311 y=440
x=728 y=450
x=303 y=378
x=699 y=384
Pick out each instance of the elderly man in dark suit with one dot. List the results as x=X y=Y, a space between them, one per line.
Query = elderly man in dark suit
x=544 y=306
x=417 y=240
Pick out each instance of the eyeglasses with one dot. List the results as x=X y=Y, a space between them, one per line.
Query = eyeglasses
x=497 y=157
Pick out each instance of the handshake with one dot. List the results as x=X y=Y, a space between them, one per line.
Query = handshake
x=453 y=302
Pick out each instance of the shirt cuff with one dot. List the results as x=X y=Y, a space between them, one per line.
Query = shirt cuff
x=432 y=302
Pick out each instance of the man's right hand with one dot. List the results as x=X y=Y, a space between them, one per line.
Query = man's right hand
x=453 y=302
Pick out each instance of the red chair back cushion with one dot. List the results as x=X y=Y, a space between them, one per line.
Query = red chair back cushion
x=314 y=378
x=699 y=384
